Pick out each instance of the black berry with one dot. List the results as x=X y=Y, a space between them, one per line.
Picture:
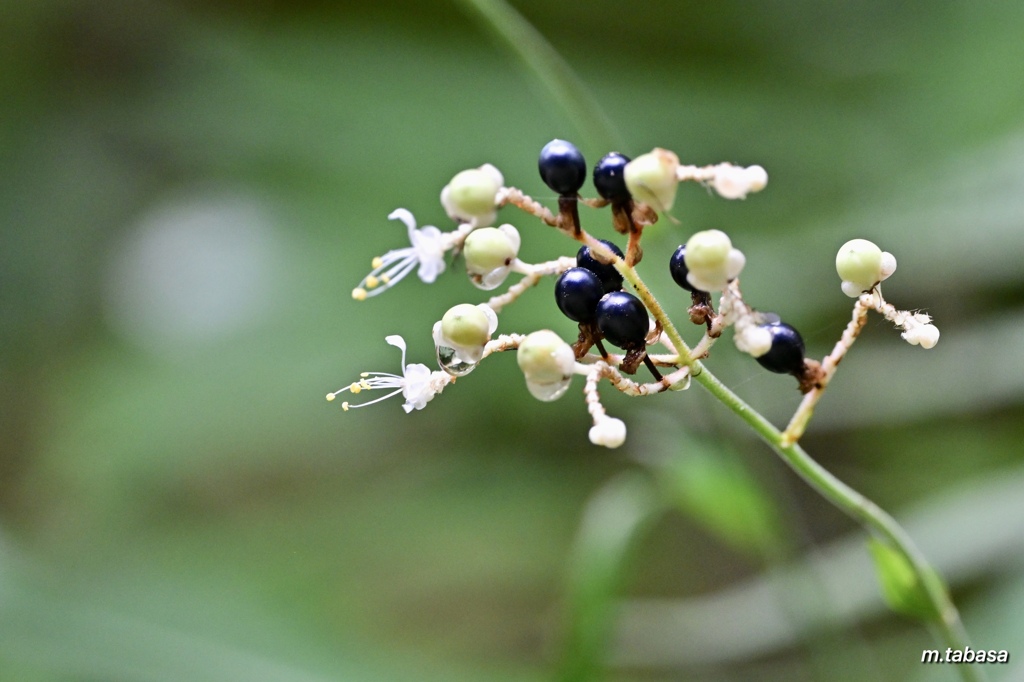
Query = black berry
x=609 y=276
x=562 y=167
x=623 y=320
x=786 y=356
x=677 y=266
x=610 y=178
x=577 y=293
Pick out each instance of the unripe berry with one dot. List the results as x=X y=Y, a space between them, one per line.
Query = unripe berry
x=651 y=178
x=606 y=272
x=577 y=293
x=487 y=248
x=711 y=260
x=466 y=325
x=489 y=253
x=545 y=358
x=861 y=265
x=470 y=196
x=623 y=320
x=562 y=167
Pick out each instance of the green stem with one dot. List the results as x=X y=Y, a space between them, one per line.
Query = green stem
x=562 y=84
x=555 y=75
x=949 y=629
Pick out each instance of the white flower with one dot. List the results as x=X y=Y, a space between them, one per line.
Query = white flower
x=418 y=385
x=428 y=248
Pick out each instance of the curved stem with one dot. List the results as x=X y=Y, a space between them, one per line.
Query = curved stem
x=948 y=626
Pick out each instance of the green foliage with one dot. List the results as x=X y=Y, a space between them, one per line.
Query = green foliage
x=178 y=501
x=902 y=590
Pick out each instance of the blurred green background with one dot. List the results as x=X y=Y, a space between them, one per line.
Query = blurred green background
x=189 y=193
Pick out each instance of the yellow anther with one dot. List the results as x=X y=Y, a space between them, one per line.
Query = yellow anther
x=372 y=282
x=377 y=262
x=330 y=397
x=355 y=388
x=363 y=383
x=359 y=294
x=385 y=279
x=344 y=406
x=364 y=374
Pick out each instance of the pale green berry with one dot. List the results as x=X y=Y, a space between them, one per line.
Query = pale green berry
x=651 y=178
x=859 y=262
x=490 y=248
x=545 y=358
x=707 y=250
x=712 y=261
x=466 y=325
x=470 y=196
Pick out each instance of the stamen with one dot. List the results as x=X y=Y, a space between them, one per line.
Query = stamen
x=371 y=282
x=359 y=294
x=376 y=262
x=331 y=396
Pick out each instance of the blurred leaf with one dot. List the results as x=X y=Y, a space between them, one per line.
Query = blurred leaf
x=901 y=588
x=710 y=485
x=613 y=521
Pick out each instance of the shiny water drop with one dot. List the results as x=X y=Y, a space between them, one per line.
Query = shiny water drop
x=550 y=391
x=447 y=361
x=681 y=385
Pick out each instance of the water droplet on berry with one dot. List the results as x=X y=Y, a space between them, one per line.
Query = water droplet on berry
x=549 y=392
x=447 y=361
x=681 y=385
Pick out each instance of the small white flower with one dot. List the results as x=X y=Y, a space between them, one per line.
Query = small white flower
x=417 y=384
x=428 y=248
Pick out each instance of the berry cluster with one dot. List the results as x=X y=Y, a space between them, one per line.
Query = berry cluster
x=601 y=291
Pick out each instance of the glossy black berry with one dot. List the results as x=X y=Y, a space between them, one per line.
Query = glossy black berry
x=610 y=177
x=786 y=356
x=677 y=266
x=622 y=319
x=562 y=167
x=609 y=276
x=577 y=293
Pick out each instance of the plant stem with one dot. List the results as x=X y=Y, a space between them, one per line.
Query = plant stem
x=948 y=627
x=555 y=75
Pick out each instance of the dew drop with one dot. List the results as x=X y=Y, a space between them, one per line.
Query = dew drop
x=550 y=391
x=447 y=361
x=681 y=385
